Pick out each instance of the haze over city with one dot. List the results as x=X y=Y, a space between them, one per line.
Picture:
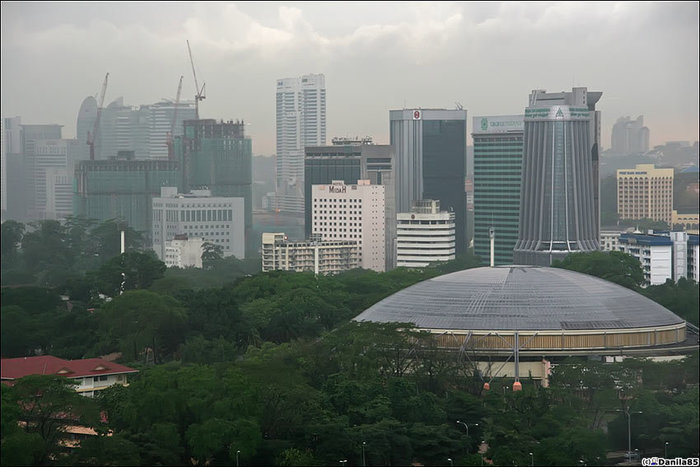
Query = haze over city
x=375 y=57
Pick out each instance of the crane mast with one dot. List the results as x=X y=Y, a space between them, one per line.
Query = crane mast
x=91 y=135
x=199 y=92
x=169 y=139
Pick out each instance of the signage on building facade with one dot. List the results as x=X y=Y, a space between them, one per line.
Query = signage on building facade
x=498 y=124
x=337 y=188
x=416 y=115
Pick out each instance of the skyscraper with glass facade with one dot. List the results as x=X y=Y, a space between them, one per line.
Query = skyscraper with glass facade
x=558 y=202
x=498 y=153
x=431 y=161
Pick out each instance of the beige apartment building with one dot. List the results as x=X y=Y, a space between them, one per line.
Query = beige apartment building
x=645 y=192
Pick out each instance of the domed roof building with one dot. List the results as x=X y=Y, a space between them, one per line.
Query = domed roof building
x=538 y=311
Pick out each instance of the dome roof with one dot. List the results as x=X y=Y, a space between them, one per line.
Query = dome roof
x=519 y=298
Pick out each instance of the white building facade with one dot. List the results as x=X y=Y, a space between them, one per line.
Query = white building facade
x=352 y=212
x=319 y=256
x=425 y=235
x=217 y=220
x=664 y=255
x=184 y=252
x=301 y=122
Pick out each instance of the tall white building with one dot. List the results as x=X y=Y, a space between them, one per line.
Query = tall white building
x=352 y=212
x=301 y=122
x=218 y=220
x=425 y=235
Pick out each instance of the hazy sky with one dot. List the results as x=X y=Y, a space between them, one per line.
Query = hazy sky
x=376 y=57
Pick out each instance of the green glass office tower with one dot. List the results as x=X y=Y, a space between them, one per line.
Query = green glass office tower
x=122 y=188
x=498 y=153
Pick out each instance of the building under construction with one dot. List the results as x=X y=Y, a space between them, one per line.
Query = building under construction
x=123 y=188
x=217 y=156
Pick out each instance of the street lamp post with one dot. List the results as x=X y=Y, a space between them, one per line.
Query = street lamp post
x=532 y=459
x=467 y=426
x=629 y=431
x=449 y=459
x=666 y=450
x=363 y=454
x=237 y=453
x=343 y=462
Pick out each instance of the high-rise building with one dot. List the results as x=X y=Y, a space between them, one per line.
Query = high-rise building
x=142 y=129
x=301 y=122
x=13 y=169
x=122 y=188
x=217 y=156
x=558 y=210
x=430 y=147
x=351 y=160
x=319 y=256
x=218 y=220
x=159 y=120
x=352 y=212
x=85 y=124
x=27 y=171
x=498 y=154
x=645 y=192
x=425 y=235
x=629 y=136
x=52 y=178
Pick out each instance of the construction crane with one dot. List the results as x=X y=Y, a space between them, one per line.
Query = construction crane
x=169 y=139
x=91 y=135
x=199 y=92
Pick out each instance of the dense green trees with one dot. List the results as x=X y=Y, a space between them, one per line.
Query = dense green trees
x=613 y=266
x=271 y=365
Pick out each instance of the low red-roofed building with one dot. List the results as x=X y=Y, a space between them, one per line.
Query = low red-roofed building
x=89 y=375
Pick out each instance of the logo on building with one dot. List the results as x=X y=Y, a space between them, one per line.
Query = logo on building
x=337 y=188
x=559 y=114
x=484 y=124
x=416 y=115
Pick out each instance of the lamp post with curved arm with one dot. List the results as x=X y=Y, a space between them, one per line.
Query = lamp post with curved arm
x=467 y=425
x=629 y=431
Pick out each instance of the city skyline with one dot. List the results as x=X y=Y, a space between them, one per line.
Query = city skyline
x=488 y=57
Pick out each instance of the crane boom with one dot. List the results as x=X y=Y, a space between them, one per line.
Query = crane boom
x=169 y=140
x=91 y=136
x=199 y=92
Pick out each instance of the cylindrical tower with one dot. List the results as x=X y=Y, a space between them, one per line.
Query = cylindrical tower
x=557 y=202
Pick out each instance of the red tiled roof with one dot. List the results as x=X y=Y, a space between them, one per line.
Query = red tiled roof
x=13 y=368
